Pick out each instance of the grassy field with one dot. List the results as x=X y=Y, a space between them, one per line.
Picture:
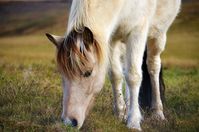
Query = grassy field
x=30 y=90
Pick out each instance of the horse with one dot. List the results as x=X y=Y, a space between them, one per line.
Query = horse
x=124 y=38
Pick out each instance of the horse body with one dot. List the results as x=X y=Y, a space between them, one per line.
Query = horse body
x=111 y=26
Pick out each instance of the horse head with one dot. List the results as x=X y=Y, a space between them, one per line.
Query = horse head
x=79 y=59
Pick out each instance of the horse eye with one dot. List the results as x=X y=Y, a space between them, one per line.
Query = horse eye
x=87 y=74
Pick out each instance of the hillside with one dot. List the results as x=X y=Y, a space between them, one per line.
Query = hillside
x=20 y=18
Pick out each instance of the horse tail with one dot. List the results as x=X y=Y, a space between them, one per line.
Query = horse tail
x=145 y=95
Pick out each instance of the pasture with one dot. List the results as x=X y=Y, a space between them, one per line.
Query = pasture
x=30 y=85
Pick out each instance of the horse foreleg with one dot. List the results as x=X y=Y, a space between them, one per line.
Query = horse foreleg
x=135 y=49
x=116 y=77
x=154 y=48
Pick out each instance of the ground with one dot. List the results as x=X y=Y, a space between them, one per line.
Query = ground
x=30 y=85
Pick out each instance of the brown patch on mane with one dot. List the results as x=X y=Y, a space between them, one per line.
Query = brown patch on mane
x=72 y=53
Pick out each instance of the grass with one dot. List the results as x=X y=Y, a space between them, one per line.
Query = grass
x=31 y=101
x=30 y=85
x=27 y=49
x=181 y=50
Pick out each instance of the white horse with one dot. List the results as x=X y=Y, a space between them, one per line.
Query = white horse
x=102 y=29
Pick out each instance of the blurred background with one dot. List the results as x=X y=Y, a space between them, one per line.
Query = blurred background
x=29 y=20
x=30 y=94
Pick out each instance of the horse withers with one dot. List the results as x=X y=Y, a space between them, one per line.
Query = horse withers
x=103 y=30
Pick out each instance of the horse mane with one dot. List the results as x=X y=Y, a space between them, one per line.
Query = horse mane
x=72 y=55
x=79 y=15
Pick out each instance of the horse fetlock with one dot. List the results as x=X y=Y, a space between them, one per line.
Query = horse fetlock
x=158 y=115
x=120 y=111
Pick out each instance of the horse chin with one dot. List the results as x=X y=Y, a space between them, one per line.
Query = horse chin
x=80 y=123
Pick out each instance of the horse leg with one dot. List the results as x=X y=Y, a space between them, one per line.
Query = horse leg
x=154 y=49
x=134 y=55
x=116 y=77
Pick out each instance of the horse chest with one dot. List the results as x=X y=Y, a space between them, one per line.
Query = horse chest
x=124 y=28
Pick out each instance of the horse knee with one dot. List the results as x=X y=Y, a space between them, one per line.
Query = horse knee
x=133 y=77
x=156 y=45
x=115 y=76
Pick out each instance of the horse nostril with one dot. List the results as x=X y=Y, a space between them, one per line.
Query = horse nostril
x=70 y=122
x=74 y=122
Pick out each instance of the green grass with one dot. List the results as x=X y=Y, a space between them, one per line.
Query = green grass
x=30 y=85
x=26 y=49
x=31 y=101
x=182 y=49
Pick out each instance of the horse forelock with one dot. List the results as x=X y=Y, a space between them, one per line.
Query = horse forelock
x=72 y=54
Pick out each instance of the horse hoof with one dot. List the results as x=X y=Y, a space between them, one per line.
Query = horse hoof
x=120 y=113
x=121 y=116
x=135 y=126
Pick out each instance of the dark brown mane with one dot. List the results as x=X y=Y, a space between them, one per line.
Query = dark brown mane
x=72 y=53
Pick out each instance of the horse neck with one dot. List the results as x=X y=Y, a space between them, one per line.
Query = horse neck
x=100 y=16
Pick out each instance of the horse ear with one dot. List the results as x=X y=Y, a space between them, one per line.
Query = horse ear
x=56 y=40
x=88 y=36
